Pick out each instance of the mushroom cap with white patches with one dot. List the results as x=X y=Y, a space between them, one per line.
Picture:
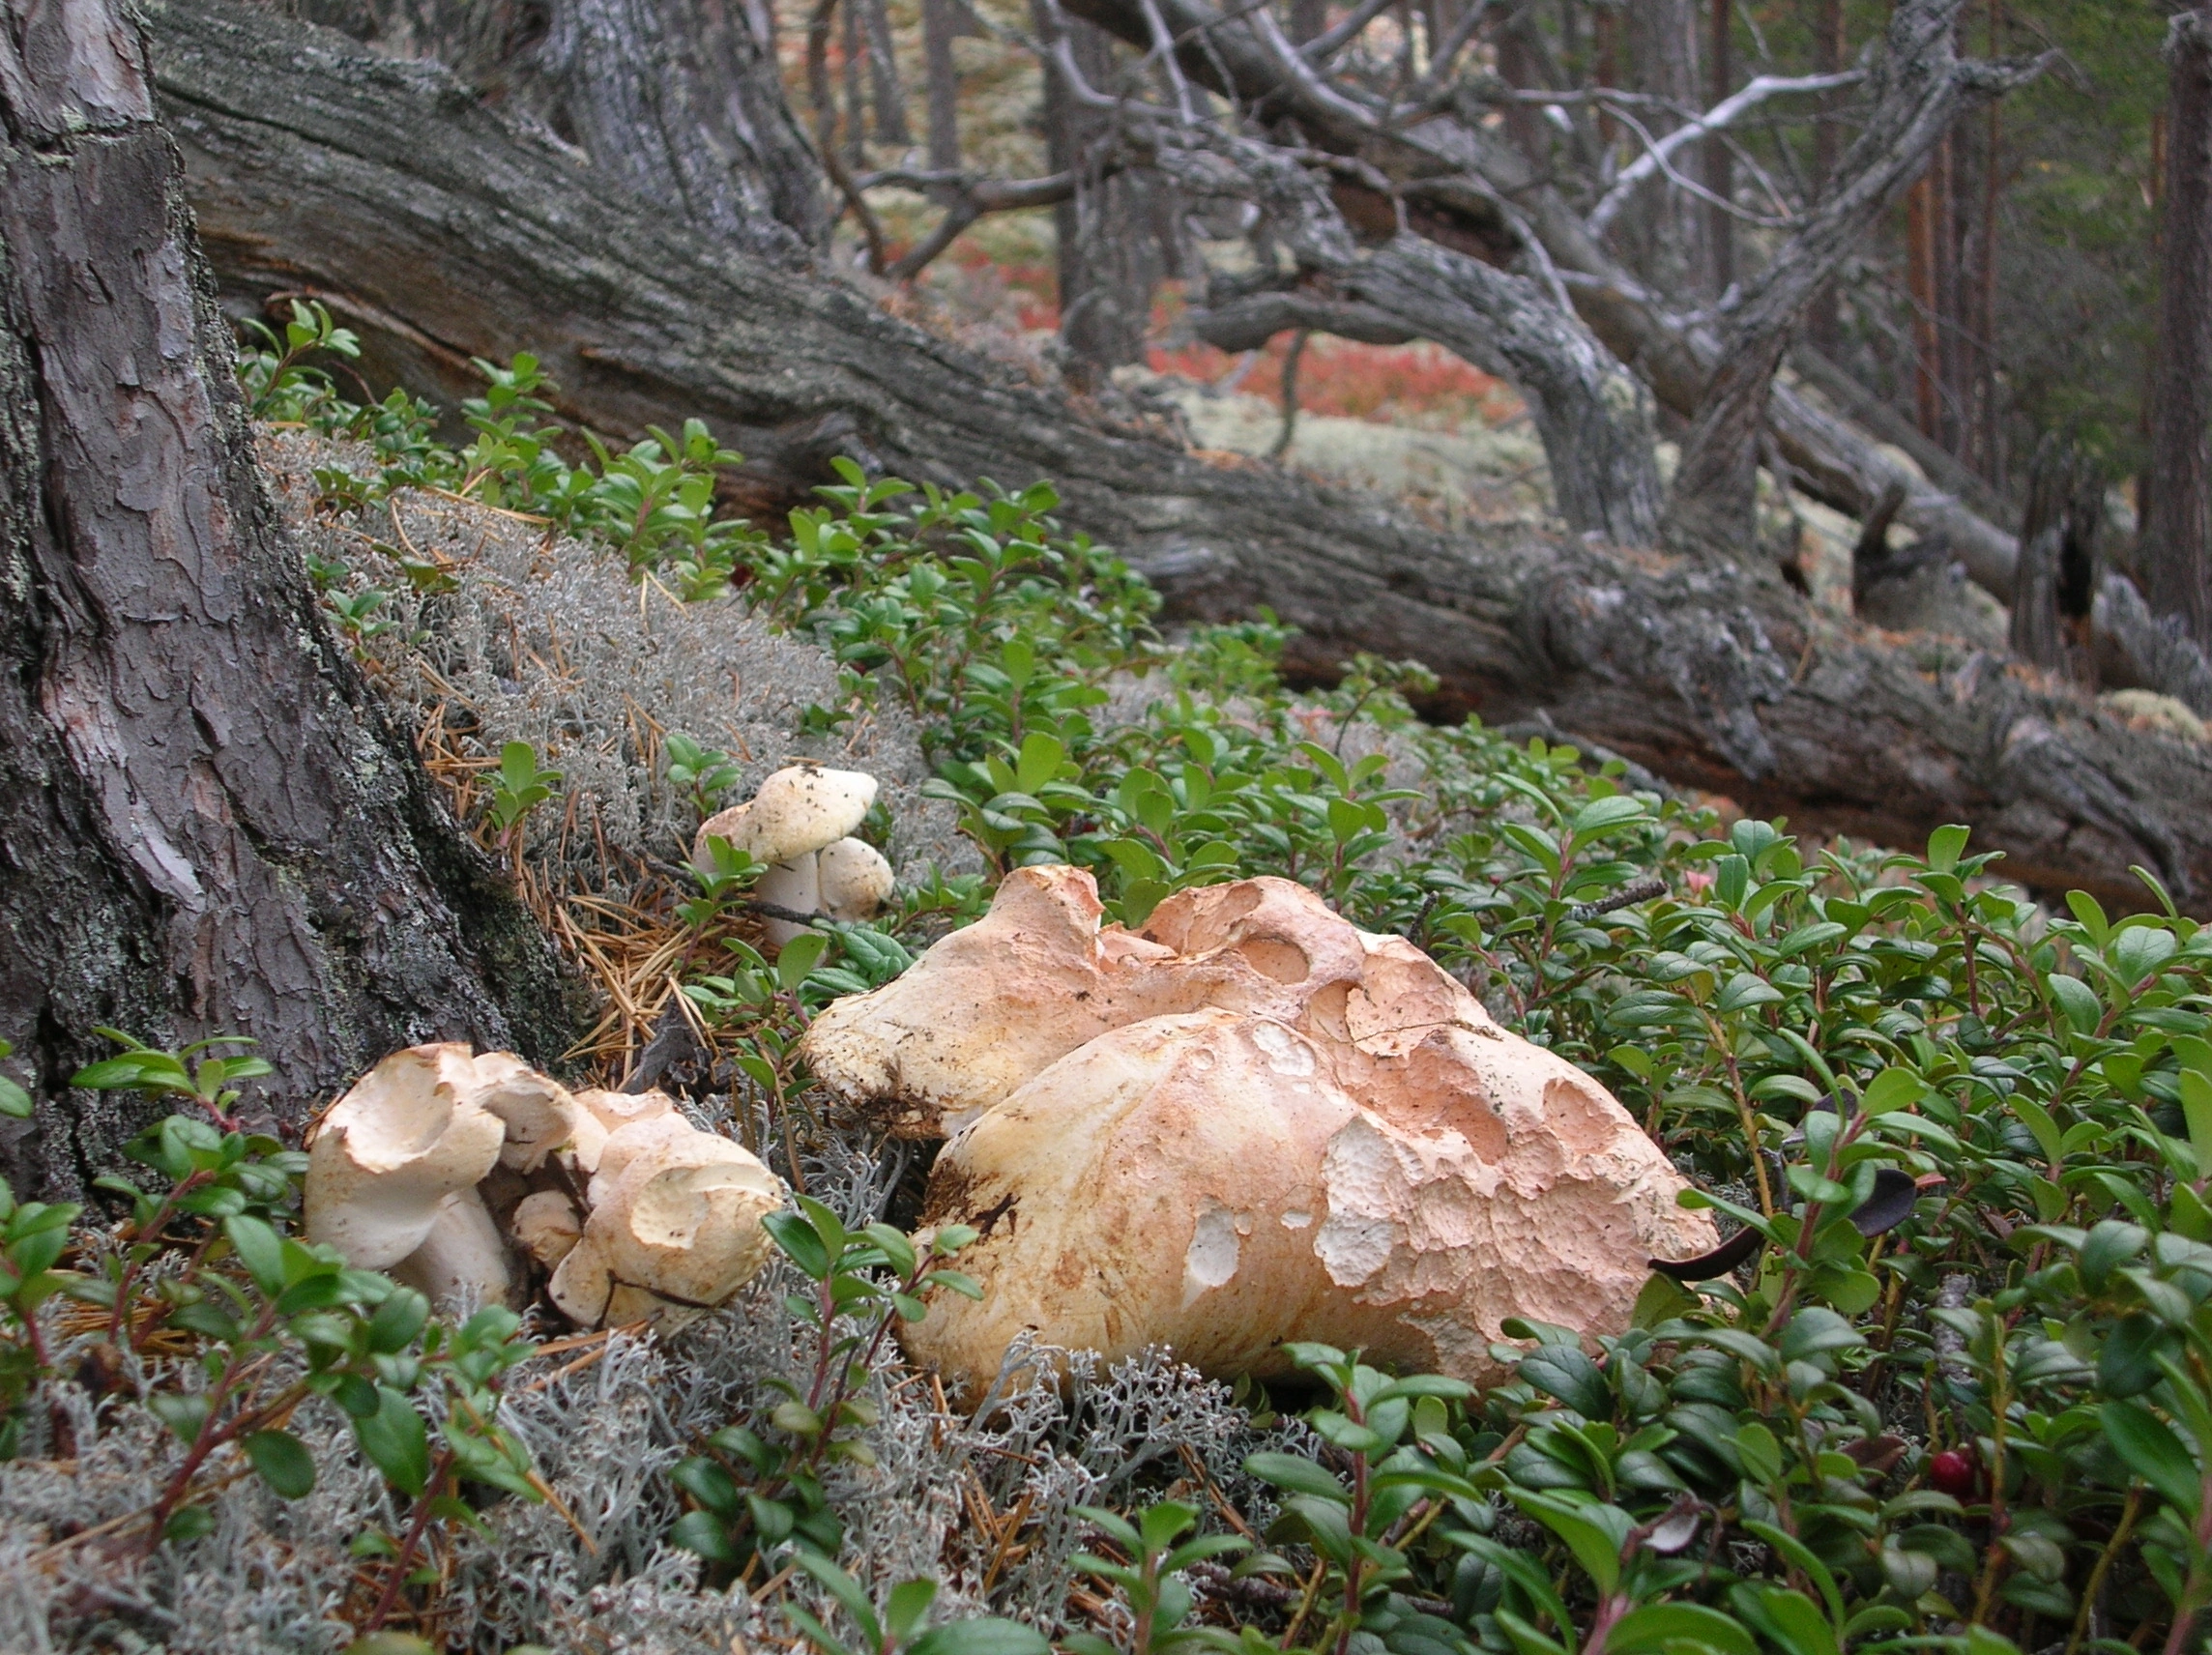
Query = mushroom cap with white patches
x=1128 y=1196
x=988 y=1009
x=1341 y=1146
x=409 y=1133
x=462 y=1261
x=854 y=879
x=581 y=1285
x=794 y=812
x=599 y=1113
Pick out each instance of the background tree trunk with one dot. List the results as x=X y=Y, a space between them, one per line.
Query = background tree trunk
x=2059 y=568
x=2177 y=530
x=1113 y=233
x=1665 y=229
x=940 y=25
x=429 y=224
x=207 y=824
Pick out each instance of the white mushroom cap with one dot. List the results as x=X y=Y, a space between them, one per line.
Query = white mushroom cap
x=797 y=811
x=546 y=1226
x=854 y=878
x=411 y=1132
x=462 y=1260
x=599 y=1113
x=674 y=1225
x=539 y=1114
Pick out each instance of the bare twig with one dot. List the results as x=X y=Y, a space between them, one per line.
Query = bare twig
x=826 y=130
x=1654 y=158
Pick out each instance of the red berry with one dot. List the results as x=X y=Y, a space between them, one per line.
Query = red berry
x=1953 y=1473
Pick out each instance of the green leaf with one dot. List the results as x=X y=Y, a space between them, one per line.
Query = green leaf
x=2078 y=1000
x=1945 y=846
x=1892 y=1090
x=284 y=1463
x=986 y=1635
x=397 y=1320
x=703 y=1533
x=260 y=1249
x=1794 y=1551
x=903 y=1609
x=1594 y=1533
x=189 y=1523
x=1565 y=1372
x=395 y=1443
x=1294 y=1475
x=2153 y=1452
x=798 y=957
x=1657 y=1628
x=796 y=1237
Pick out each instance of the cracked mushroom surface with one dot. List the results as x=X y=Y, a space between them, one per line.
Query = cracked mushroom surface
x=1250 y=1123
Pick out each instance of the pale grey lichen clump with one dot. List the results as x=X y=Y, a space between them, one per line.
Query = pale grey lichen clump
x=546 y=640
x=272 y=1576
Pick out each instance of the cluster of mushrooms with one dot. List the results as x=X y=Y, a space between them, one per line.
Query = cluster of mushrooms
x=1248 y=1123
x=441 y=1167
x=799 y=823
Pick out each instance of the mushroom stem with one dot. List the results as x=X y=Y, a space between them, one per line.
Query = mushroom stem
x=462 y=1260
x=793 y=887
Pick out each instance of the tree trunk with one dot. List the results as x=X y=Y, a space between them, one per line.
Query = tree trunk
x=2177 y=532
x=676 y=101
x=1112 y=233
x=207 y=824
x=1823 y=318
x=1664 y=228
x=429 y=224
x=1918 y=89
x=2058 y=570
x=1720 y=160
x=940 y=24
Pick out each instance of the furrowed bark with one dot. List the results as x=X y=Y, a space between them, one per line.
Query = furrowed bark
x=676 y=101
x=441 y=233
x=208 y=826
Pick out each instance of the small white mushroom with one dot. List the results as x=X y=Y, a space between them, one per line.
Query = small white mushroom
x=854 y=879
x=462 y=1260
x=674 y=1226
x=410 y=1133
x=796 y=813
x=546 y=1226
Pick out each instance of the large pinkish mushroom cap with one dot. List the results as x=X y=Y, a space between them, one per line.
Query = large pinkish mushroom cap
x=1249 y=1125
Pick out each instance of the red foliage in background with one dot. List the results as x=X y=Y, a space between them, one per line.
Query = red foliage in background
x=1417 y=384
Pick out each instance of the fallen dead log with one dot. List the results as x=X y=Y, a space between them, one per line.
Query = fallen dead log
x=441 y=233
